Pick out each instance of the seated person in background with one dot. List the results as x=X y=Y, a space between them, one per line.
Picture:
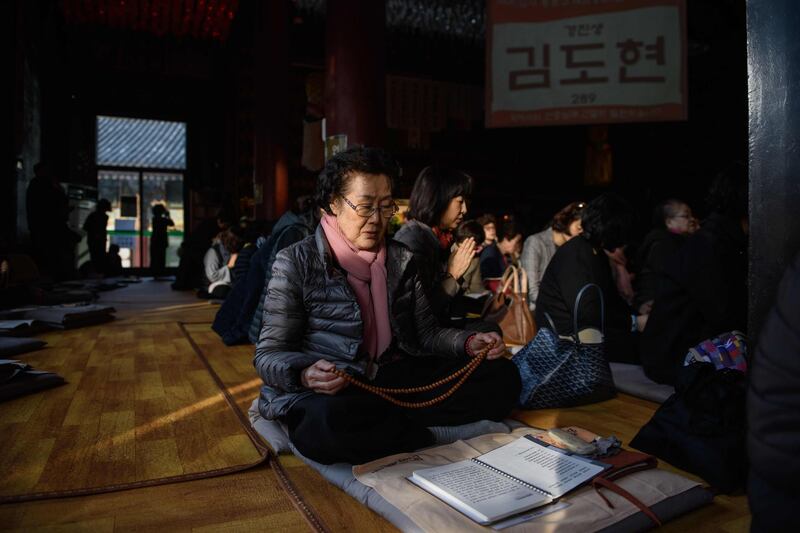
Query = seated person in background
x=251 y=234
x=190 y=274
x=607 y=222
x=496 y=257
x=703 y=290
x=292 y=227
x=113 y=261
x=540 y=247
x=347 y=298
x=19 y=277
x=489 y=224
x=239 y=318
x=471 y=281
x=437 y=206
x=217 y=268
x=673 y=222
x=618 y=260
x=472 y=294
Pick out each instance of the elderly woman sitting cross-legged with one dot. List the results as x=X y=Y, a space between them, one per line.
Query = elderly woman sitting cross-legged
x=346 y=298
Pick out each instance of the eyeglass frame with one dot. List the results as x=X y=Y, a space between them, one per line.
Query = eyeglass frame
x=395 y=208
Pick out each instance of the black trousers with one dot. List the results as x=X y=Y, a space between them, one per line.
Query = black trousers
x=158 y=259
x=356 y=426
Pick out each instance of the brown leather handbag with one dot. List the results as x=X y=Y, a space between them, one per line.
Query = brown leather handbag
x=508 y=307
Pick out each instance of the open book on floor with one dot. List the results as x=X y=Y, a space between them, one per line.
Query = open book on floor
x=522 y=475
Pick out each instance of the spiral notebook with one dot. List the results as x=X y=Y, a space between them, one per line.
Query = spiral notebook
x=522 y=475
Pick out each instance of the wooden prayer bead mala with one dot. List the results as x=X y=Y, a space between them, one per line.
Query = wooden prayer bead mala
x=386 y=392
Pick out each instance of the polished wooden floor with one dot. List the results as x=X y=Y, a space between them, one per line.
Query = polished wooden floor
x=141 y=405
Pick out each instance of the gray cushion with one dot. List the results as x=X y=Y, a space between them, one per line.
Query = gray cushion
x=16 y=345
x=276 y=434
x=632 y=380
x=271 y=431
x=341 y=476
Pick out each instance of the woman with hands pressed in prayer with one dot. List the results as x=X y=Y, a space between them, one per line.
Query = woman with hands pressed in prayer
x=437 y=206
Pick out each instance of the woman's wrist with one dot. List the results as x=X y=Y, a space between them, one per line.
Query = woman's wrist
x=467 y=347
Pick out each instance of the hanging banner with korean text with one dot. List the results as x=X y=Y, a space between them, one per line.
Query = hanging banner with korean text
x=551 y=62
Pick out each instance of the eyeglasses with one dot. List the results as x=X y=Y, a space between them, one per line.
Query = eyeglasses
x=366 y=211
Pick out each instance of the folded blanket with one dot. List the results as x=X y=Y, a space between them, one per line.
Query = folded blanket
x=18 y=379
x=10 y=346
x=21 y=328
x=66 y=316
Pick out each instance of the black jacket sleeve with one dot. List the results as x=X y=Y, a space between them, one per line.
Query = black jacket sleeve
x=773 y=401
x=279 y=359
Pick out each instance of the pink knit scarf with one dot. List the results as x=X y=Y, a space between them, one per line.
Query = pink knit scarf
x=366 y=274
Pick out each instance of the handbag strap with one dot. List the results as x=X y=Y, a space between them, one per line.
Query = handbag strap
x=578 y=305
x=523 y=282
x=550 y=321
x=606 y=483
x=510 y=279
x=515 y=278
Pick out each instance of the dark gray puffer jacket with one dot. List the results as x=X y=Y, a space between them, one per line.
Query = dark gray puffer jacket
x=311 y=313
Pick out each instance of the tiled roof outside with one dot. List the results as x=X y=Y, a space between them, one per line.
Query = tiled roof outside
x=132 y=142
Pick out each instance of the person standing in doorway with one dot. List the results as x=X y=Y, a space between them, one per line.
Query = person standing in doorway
x=95 y=228
x=158 y=240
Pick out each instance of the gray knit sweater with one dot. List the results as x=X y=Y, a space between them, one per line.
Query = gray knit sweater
x=537 y=252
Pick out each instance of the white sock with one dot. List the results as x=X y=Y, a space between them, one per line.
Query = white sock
x=450 y=434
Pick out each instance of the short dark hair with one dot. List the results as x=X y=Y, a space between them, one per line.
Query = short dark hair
x=334 y=178
x=487 y=218
x=607 y=221
x=434 y=189
x=113 y=248
x=225 y=218
x=508 y=230
x=231 y=239
x=666 y=209
x=470 y=228
x=728 y=192
x=567 y=215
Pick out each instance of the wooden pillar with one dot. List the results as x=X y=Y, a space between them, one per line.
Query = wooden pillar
x=271 y=94
x=773 y=62
x=355 y=70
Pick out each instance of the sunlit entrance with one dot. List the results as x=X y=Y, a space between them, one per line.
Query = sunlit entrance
x=141 y=164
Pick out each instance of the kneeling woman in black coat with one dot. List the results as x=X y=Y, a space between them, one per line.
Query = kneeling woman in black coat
x=606 y=221
x=347 y=298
